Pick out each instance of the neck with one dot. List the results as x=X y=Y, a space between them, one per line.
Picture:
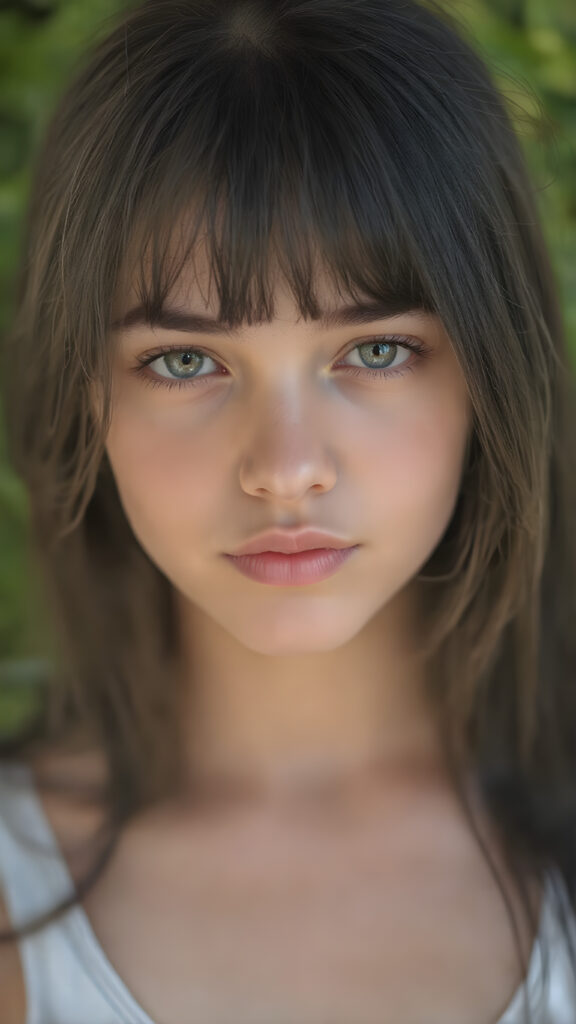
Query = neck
x=303 y=726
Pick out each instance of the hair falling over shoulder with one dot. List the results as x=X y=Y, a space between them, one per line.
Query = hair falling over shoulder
x=395 y=166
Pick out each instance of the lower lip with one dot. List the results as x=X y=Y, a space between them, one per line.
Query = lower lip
x=292 y=570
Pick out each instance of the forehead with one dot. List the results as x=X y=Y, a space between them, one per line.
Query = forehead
x=190 y=303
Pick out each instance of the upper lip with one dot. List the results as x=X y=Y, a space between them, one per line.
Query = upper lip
x=291 y=542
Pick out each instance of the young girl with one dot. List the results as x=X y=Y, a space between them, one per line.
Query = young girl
x=288 y=388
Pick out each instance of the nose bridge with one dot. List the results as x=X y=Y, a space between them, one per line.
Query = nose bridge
x=287 y=410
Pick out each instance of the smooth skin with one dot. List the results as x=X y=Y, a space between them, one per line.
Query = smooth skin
x=294 y=432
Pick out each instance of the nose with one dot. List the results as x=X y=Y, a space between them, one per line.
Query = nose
x=287 y=455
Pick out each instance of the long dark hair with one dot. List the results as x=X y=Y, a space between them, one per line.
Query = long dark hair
x=367 y=138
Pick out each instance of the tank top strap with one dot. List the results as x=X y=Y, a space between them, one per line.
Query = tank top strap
x=33 y=872
x=67 y=976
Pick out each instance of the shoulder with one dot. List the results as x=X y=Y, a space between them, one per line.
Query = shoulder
x=70 y=787
x=82 y=770
x=12 y=987
x=60 y=775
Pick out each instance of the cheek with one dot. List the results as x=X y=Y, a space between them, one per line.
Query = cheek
x=169 y=479
x=412 y=467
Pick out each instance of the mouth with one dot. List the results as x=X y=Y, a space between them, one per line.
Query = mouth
x=303 y=567
x=291 y=542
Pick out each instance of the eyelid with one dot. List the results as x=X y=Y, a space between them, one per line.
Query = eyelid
x=409 y=340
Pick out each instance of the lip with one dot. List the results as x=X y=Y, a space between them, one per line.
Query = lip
x=291 y=542
x=282 y=570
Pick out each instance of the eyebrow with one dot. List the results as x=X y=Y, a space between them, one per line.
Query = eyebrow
x=199 y=323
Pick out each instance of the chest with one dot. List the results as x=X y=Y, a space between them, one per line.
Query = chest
x=325 y=930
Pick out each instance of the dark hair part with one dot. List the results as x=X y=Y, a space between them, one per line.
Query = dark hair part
x=368 y=139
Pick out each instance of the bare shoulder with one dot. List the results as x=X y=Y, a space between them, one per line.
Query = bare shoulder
x=70 y=785
x=12 y=987
x=70 y=788
x=71 y=775
x=84 y=763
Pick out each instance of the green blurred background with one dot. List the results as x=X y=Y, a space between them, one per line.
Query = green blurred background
x=530 y=47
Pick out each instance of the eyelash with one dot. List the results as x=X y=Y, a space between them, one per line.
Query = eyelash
x=399 y=340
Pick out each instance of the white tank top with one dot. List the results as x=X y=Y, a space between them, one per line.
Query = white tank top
x=68 y=977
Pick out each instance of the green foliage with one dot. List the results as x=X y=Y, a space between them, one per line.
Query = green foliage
x=530 y=46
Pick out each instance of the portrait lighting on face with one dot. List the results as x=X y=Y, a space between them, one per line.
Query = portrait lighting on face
x=287 y=389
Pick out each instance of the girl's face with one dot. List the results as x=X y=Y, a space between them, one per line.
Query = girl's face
x=288 y=424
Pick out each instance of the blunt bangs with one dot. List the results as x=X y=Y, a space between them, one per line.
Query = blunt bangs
x=289 y=160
